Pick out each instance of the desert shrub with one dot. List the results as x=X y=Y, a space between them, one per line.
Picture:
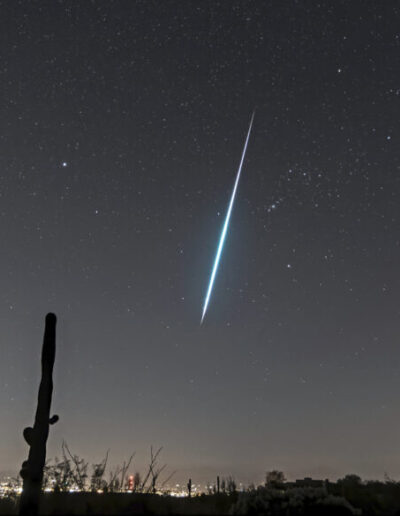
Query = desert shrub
x=8 y=505
x=291 y=502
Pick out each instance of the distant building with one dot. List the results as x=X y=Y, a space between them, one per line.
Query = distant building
x=308 y=482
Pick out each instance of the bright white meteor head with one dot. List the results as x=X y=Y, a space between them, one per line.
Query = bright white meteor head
x=226 y=223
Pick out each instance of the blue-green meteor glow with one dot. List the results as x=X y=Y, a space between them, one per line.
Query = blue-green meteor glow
x=225 y=226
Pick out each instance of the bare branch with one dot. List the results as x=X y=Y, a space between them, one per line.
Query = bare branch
x=79 y=474
x=150 y=471
x=124 y=470
x=168 y=479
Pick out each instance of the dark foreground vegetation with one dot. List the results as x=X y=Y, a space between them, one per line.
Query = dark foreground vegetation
x=70 y=489
x=345 y=497
x=273 y=503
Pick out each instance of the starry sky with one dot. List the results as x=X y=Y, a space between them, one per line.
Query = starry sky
x=121 y=130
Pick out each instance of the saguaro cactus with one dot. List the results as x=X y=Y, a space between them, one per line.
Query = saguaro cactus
x=36 y=437
x=189 y=487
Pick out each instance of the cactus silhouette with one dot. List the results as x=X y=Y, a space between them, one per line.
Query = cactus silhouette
x=189 y=487
x=36 y=437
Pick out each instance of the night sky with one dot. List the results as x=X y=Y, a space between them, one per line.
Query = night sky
x=121 y=129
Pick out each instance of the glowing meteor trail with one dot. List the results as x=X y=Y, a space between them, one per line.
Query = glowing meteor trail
x=226 y=223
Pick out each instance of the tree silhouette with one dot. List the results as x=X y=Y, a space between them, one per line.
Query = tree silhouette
x=274 y=478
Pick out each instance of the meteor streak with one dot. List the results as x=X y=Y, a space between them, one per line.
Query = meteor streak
x=225 y=226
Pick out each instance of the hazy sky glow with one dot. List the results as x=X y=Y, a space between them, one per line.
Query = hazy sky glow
x=121 y=129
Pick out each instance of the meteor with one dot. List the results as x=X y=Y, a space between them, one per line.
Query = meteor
x=225 y=226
